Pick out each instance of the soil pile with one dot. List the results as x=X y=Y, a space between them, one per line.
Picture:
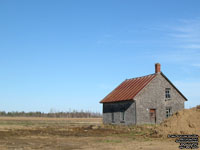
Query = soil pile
x=186 y=121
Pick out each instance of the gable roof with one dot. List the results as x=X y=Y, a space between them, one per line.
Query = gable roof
x=128 y=89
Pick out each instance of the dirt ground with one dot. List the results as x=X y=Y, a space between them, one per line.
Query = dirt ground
x=19 y=133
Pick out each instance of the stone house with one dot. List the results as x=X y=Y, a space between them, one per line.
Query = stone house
x=143 y=100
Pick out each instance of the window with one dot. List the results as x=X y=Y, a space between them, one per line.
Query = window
x=113 y=117
x=122 y=115
x=168 y=112
x=167 y=93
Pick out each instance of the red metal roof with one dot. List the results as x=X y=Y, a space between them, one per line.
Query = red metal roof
x=128 y=89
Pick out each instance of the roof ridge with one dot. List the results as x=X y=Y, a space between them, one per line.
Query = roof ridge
x=141 y=76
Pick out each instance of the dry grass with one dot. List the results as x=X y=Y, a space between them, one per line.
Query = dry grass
x=99 y=120
x=24 y=133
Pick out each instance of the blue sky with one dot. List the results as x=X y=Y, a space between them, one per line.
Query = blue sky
x=66 y=55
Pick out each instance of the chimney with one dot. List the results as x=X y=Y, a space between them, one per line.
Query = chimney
x=157 y=68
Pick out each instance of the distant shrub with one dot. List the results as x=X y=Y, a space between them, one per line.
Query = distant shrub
x=51 y=114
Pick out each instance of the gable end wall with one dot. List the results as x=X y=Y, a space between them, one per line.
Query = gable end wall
x=153 y=97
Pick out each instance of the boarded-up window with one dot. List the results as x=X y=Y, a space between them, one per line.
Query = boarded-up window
x=113 y=119
x=122 y=115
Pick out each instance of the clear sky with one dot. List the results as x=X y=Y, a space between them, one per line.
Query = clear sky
x=69 y=54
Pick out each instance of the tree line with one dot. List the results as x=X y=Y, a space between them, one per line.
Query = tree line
x=52 y=114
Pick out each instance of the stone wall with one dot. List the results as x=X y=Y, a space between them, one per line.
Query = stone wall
x=153 y=97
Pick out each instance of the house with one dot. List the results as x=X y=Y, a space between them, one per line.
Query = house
x=144 y=100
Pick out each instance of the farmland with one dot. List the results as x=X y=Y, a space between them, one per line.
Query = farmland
x=27 y=133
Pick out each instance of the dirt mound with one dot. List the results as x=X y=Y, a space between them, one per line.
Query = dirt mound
x=186 y=121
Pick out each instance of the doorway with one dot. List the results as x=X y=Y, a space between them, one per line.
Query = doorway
x=152 y=113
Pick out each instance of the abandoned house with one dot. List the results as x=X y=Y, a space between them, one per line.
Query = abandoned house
x=143 y=100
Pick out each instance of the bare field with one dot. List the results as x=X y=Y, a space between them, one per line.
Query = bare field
x=27 y=133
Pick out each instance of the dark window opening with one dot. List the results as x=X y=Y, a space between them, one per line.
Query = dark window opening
x=167 y=93
x=168 y=112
